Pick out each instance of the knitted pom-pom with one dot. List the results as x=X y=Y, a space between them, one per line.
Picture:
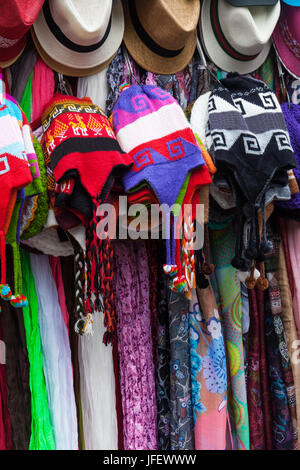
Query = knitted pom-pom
x=262 y=283
x=179 y=284
x=201 y=280
x=238 y=263
x=170 y=269
x=207 y=269
x=266 y=247
x=250 y=283
x=5 y=292
x=19 y=301
x=124 y=86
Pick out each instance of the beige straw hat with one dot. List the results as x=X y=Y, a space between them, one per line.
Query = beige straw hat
x=161 y=34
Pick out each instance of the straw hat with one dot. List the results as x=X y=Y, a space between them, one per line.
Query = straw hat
x=75 y=41
x=161 y=34
x=16 y=17
x=237 y=39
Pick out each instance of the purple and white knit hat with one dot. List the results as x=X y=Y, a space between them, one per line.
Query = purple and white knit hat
x=150 y=126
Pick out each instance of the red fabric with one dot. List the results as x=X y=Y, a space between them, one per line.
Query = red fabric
x=159 y=146
x=43 y=86
x=258 y=396
x=17 y=177
x=17 y=16
x=95 y=172
x=94 y=166
x=55 y=265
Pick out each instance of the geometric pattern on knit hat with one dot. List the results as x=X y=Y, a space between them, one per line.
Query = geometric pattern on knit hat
x=291 y=114
x=84 y=153
x=78 y=136
x=248 y=133
x=14 y=167
x=251 y=147
x=152 y=128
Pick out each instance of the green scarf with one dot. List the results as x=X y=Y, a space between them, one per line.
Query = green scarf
x=42 y=436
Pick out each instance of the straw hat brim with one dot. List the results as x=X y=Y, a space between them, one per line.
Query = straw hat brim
x=218 y=55
x=60 y=68
x=150 y=61
x=78 y=64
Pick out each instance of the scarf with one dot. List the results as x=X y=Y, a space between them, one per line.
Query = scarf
x=42 y=435
x=57 y=356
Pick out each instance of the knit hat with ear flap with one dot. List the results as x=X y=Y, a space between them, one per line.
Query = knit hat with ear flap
x=14 y=175
x=85 y=158
x=152 y=128
x=251 y=147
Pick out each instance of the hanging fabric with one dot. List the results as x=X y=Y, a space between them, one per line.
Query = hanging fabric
x=57 y=356
x=42 y=435
x=97 y=389
x=137 y=378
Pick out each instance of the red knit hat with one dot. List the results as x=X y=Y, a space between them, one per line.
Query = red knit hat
x=14 y=175
x=85 y=158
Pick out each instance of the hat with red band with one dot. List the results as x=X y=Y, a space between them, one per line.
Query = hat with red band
x=236 y=38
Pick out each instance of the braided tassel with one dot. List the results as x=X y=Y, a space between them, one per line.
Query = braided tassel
x=188 y=256
x=110 y=321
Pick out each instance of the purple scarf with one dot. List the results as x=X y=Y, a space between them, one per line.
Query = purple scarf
x=137 y=379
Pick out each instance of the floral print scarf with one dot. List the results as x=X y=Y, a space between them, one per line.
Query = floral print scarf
x=222 y=244
x=208 y=372
x=181 y=419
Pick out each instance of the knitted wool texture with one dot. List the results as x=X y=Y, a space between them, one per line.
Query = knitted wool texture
x=152 y=128
x=14 y=164
x=40 y=204
x=85 y=158
x=250 y=143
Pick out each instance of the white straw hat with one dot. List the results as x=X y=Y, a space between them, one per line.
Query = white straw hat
x=237 y=39
x=77 y=37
